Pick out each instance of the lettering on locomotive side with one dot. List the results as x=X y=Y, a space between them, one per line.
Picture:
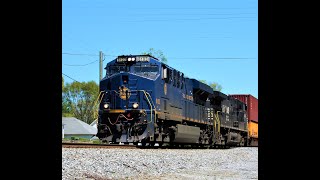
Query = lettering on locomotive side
x=143 y=59
x=121 y=59
x=185 y=96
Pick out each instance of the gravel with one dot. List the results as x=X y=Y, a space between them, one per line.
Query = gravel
x=103 y=164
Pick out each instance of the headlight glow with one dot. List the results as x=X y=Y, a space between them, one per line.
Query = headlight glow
x=106 y=106
x=135 y=105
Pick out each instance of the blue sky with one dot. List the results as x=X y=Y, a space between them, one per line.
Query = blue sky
x=197 y=37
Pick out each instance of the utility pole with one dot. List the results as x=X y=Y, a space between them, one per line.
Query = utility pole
x=100 y=65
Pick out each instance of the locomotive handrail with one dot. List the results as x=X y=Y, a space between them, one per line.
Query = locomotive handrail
x=153 y=106
x=99 y=96
x=95 y=103
x=145 y=93
x=151 y=100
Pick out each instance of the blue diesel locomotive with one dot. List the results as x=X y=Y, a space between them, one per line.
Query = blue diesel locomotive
x=144 y=101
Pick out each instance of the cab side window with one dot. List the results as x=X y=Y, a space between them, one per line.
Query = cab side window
x=166 y=74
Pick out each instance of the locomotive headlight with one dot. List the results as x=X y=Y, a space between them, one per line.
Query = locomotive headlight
x=131 y=59
x=106 y=106
x=135 y=105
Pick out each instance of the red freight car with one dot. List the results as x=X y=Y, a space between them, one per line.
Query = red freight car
x=252 y=105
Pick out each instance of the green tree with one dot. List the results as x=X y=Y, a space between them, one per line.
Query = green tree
x=66 y=111
x=158 y=54
x=215 y=86
x=79 y=100
x=65 y=107
x=203 y=81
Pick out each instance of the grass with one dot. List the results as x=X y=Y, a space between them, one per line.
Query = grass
x=78 y=139
x=96 y=142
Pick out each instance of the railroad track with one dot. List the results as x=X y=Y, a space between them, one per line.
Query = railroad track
x=126 y=146
x=90 y=145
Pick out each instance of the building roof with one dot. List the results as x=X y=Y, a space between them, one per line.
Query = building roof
x=94 y=123
x=73 y=125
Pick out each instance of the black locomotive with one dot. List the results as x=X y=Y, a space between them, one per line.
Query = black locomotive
x=146 y=102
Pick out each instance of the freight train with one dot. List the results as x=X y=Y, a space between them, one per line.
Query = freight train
x=146 y=102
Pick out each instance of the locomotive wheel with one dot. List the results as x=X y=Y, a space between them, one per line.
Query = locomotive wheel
x=143 y=142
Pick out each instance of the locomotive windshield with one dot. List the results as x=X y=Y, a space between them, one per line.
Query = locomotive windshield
x=148 y=70
x=116 y=69
x=145 y=70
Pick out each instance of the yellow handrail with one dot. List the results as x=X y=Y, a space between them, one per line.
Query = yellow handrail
x=218 y=120
x=153 y=106
x=214 y=121
x=145 y=93
x=95 y=103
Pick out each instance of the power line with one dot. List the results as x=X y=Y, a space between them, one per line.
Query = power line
x=109 y=55
x=80 y=54
x=210 y=58
x=184 y=14
x=81 y=64
x=70 y=77
x=165 y=20
x=167 y=58
x=190 y=14
x=77 y=54
x=194 y=8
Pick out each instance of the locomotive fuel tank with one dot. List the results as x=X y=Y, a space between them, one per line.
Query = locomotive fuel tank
x=187 y=134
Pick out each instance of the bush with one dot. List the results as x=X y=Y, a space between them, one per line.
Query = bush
x=73 y=138
x=84 y=140
x=96 y=142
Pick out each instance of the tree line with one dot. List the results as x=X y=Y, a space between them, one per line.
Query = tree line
x=79 y=100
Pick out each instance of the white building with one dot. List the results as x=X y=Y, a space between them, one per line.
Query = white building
x=94 y=123
x=73 y=127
